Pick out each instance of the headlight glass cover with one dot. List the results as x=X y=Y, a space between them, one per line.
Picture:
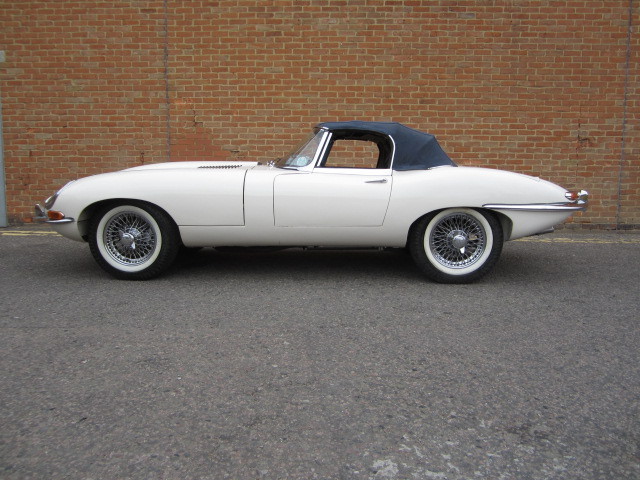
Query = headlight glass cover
x=48 y=203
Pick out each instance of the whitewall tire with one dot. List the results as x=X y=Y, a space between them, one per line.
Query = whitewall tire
x=456 y=245
x=133 y=241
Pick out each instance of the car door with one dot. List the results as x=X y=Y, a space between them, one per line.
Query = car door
x=345 y=189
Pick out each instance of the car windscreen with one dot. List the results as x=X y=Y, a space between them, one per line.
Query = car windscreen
x=304 y=153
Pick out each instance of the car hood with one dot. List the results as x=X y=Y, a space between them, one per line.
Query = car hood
x=191 y=165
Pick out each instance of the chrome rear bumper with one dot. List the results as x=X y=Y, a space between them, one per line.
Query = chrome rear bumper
x=578 y=201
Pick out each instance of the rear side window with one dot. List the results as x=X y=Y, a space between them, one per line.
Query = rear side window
x=353 y=154
x=358 y=150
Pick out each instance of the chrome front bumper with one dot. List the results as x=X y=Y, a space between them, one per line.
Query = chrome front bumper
x=42 y=215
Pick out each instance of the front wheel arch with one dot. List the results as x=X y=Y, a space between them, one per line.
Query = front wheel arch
x=86 y=216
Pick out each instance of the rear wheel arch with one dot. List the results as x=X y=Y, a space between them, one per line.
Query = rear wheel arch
x=456 y=245
x=505 y=221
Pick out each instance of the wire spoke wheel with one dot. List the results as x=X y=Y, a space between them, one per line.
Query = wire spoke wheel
x=135 y=242
x=130 y=238
x=457 y=240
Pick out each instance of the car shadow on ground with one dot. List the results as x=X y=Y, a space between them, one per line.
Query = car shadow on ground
x=382 y=264
x=517 y=264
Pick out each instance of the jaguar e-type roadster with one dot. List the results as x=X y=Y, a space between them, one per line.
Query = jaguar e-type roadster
x=349 y=184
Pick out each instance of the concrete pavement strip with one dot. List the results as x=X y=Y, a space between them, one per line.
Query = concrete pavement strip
x=609 y=237
x=28 y=233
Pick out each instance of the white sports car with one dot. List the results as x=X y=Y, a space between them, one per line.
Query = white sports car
x=349 y=184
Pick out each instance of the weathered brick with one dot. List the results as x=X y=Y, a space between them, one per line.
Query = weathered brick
x=536 y=86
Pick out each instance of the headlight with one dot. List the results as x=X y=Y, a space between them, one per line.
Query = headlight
x=48 y=203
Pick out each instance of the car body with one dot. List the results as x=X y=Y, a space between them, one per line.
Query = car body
x=349 y=184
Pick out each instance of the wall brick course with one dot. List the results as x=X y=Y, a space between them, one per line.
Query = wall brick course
x=536 y=87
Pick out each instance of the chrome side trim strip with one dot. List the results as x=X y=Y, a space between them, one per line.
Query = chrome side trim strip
x=542 y=207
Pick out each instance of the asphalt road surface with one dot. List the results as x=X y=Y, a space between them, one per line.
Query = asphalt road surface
x=321 y=365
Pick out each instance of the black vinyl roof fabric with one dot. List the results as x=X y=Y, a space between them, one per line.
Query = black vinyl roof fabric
x=414 y=150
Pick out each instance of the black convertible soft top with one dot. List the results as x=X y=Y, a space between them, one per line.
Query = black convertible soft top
x=414 y=150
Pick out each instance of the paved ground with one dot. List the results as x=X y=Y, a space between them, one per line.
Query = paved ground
x=321 y=365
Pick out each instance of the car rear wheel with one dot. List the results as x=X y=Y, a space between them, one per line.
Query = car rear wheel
x=133 y=241
x=457 y=245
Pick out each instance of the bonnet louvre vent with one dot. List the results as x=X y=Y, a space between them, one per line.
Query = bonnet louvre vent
x=220 y=166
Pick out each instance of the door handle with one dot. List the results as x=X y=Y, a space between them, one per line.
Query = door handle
x=382 y=180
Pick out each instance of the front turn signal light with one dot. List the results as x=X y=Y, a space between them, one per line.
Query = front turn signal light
x=55 y=215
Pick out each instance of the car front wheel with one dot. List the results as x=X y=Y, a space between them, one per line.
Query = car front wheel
x=134 y=241
x=457 y=245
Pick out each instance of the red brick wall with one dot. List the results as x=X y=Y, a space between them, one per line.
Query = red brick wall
x=549 y=88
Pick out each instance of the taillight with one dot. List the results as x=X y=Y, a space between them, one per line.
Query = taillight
x=579 y=197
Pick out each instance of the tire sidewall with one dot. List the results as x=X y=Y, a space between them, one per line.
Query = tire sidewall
x=419 y=246
x=106 y=254
x=167 y=241
x=488 y=247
